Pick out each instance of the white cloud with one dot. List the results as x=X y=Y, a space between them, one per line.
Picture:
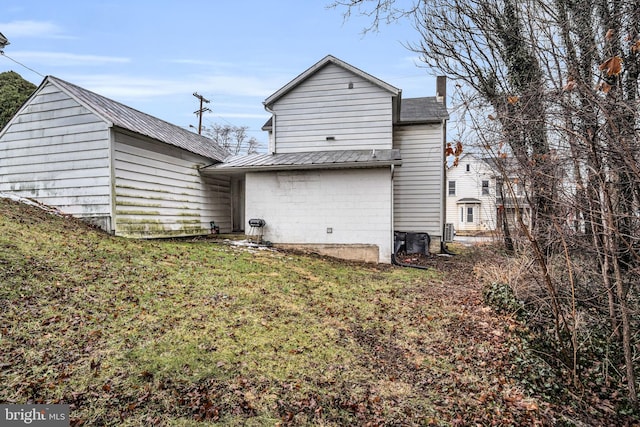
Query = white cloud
x=65 y=59
x=42 y=29
x=200 y=62
x=128 y=87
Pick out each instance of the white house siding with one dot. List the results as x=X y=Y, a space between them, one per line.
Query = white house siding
x=159 y=191
x=325 y=207
x=323 y=106
x=469 y=186
x=418 y=182
x=57 y=152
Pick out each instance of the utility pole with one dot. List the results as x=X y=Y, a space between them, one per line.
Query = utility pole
x=201 y=110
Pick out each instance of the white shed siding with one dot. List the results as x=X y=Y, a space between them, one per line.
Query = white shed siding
x=57 y=152
x=323 y=106
x=159 y=191
x=299 y=207
x=418 y=182
x=469 y=185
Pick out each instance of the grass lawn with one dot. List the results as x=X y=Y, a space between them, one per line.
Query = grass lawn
x=132 y=332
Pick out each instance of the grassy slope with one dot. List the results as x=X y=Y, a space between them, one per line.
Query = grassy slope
x=136 y=332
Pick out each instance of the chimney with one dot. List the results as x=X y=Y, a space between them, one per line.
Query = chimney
x=441 y=89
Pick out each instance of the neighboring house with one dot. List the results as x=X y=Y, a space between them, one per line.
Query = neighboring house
x=349 y=163
x=3 y=42
x=129 y=173
x=478 y=198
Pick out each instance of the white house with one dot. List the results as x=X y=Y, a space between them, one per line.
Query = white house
x=471 y=195
x=349 y=163
x=130 y=173
x=478 y=197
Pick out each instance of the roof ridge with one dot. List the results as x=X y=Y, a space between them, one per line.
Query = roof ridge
x=140 y=122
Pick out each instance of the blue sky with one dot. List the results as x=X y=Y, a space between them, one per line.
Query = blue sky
x=152 y=55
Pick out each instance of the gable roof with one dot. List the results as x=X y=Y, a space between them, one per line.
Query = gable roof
x=420 y=110
x=130 y=119
x=329 y=59
x=336 y=159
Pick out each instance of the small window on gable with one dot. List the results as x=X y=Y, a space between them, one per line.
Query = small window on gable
x=468 y=167
x=452 y=188
x=485 y=188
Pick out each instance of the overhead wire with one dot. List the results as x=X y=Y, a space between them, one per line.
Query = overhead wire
x=21 y=64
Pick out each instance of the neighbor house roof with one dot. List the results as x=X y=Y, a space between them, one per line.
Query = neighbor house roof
x=130 y=119
x=420 y=110
x=329 y=59
x=3 y=41
x=339 y=159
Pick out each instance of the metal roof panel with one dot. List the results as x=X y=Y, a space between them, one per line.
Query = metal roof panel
x=124 y=117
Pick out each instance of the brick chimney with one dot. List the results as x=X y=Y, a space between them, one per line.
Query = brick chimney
x=441 y=89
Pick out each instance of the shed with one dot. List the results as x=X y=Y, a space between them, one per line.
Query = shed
x=129 y=173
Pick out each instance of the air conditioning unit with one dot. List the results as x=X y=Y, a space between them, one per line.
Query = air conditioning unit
x=449 y=232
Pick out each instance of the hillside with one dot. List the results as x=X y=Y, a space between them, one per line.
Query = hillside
x=132 y=332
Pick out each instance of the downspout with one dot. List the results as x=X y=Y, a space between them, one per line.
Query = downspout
x=441 y=95
x=443 y=191
x=393 y=203
x=272 y=139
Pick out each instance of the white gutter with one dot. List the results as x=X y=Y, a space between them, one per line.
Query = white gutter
x=349 y=165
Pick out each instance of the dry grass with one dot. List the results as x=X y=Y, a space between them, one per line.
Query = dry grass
x=175 y=332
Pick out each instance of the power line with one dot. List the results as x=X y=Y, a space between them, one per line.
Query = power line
x=20 y=63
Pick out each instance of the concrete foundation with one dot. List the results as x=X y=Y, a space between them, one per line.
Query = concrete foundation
x=351 y=252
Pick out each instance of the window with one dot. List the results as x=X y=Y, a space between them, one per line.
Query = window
x=485 y=188
x=452 y=188
x=466 y=214
x=468 y=167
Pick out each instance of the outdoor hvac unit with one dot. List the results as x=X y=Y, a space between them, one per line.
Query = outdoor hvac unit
x=449 y=232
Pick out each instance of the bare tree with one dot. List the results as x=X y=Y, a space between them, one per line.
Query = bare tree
x=234 y=139
x=558 y=81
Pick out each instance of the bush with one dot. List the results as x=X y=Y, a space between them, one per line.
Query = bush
x=501 y=297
